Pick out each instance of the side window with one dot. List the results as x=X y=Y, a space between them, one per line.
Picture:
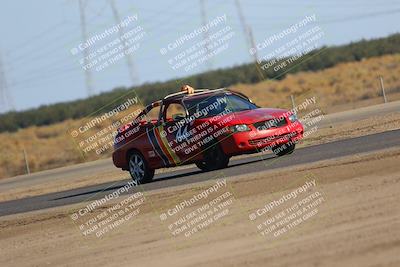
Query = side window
x=153 y=114
x=149 y=114
x=175 y=111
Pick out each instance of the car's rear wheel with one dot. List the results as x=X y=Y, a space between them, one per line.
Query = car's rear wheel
x=201 y=165
x=139 y=169
x=283 y=149
x=214 y=158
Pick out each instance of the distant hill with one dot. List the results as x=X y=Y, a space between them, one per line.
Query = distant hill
x=318 y=59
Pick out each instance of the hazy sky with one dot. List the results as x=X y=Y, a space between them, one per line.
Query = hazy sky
x=37 y=37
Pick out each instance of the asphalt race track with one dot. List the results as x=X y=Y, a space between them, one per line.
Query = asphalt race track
x=192 y=175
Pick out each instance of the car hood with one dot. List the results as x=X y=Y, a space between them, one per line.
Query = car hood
x=252 y=116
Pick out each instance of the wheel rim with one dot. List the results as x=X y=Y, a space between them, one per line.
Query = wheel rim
x=136 y=167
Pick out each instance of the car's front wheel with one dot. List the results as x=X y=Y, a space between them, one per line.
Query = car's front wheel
x=139 y=169
x=214 y=158
x=283 y=149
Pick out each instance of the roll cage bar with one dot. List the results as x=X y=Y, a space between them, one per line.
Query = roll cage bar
x=179 y=99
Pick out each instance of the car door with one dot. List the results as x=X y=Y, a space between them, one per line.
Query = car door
x=147 y=140
x=175 y=132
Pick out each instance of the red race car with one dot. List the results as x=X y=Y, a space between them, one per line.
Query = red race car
x=206 y=127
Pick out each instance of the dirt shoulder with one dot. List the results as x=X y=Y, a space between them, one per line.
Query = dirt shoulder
x=357 y=223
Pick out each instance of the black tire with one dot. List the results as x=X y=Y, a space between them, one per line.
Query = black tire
x=214 y=158
x=201 y=165
x=284 y=149
x=139 y=168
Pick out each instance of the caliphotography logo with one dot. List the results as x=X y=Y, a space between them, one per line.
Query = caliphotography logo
x=199 y=133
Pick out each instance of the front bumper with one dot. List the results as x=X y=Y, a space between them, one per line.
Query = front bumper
x=258 y=140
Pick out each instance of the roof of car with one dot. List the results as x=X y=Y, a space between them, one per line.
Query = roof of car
x=199 y=92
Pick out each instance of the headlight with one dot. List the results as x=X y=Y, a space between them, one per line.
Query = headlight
x=293 y=118
x=240 y=128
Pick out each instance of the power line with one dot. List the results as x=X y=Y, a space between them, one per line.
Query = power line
x=6 y=102
x=61 y=70
x=88 y=75
x=361 y=16
x=248 y=33
x=128 y=57
x=205 y=33
x=30 y=53
x=41 y=53
x=36 y=38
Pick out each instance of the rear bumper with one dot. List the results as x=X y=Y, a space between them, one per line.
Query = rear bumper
x=256 y=140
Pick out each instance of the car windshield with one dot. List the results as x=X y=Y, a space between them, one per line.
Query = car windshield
x=209 y=106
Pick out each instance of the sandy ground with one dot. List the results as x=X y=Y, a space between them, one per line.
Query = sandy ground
x=335 y=131
x=357 y=223
x=351 y=129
